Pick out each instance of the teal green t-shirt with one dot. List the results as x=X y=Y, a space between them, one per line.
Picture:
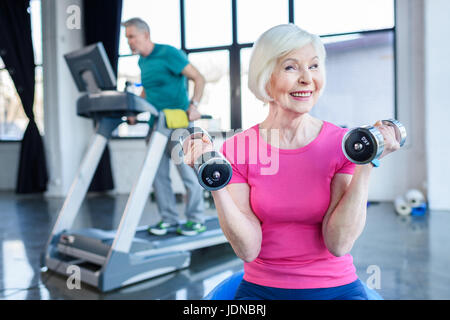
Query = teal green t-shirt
x=165 y=87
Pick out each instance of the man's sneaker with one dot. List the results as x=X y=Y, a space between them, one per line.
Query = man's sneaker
x=161 y=228
x=191 y=228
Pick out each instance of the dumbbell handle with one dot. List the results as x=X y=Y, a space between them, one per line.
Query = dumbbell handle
x=400 y=130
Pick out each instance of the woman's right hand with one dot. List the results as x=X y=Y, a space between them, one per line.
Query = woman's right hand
x=194 y=148
x=391 y=141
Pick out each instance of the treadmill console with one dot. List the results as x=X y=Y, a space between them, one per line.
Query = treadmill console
x=94 y=76
x=112 y=104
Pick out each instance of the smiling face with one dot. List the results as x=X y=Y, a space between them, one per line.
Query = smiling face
x=297 y=80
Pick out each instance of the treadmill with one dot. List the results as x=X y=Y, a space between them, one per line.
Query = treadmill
x=110 y=259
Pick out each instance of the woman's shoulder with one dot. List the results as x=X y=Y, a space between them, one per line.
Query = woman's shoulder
x=334 y=126
x=253 y=131
x=237 y=139
x=333 y=129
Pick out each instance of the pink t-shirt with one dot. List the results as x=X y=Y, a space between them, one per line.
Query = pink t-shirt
x=290 y=194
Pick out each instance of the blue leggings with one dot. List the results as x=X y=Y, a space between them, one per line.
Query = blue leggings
x=251 y=291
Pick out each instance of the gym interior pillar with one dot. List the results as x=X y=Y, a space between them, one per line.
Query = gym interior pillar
x=66 y=134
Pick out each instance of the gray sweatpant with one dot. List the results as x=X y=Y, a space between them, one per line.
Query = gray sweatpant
x=165 y=198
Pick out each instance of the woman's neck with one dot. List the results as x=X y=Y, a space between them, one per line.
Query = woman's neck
x=289 y=130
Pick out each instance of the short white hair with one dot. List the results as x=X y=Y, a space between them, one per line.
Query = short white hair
x=273 y=44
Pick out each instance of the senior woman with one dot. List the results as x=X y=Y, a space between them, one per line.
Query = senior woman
x=294 y=226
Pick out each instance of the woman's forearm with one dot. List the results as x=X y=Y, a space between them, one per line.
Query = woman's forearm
x=347 y=220
x=242 y=230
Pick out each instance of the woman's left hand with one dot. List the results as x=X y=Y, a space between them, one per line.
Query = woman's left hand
x=391 y=144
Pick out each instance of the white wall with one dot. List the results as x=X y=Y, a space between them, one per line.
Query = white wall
x=437 y=88
x=406 y=168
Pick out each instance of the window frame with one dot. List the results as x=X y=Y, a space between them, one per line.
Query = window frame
x=235 y=47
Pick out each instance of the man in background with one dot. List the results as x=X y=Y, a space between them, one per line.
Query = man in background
x=164 y=70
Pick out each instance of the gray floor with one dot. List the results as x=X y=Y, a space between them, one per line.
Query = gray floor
x=409 y=254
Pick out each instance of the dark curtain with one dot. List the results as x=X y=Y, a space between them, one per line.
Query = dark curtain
x=102 y=24
x=16 y=50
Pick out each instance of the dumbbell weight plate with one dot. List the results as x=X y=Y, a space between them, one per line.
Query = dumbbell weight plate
x=213 y=171
x=363 y=144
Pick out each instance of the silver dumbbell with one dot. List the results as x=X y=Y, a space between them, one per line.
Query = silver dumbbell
x=363 y=144
x=212 y=168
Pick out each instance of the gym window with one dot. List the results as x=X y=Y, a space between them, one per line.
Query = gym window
x=218 y=36
x=13 y=120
